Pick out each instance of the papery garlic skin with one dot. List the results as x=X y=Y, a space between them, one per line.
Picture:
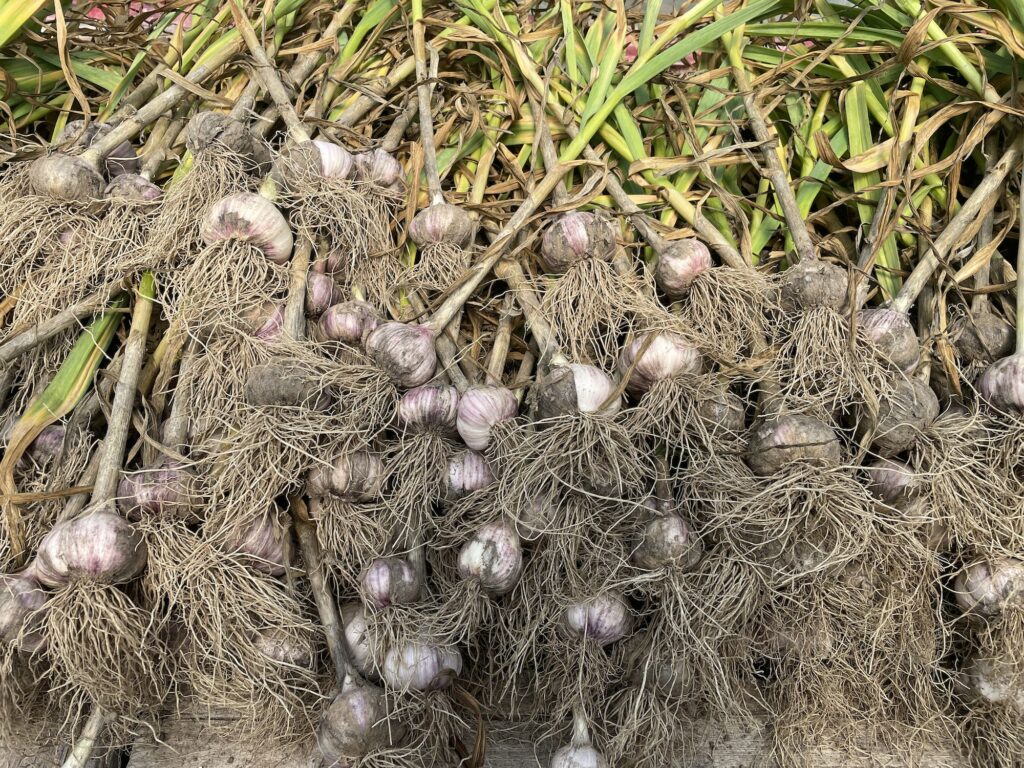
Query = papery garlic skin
x=575 y=236
x=321 y=293
x=575 y=388
x=442 y=223
x=779 y=442
x=284 y=647
x=132 y=187
x=1002 y=384
x=349 y=322
x=263 y=544
x=355 y=724
x=353 y=476
x=667 y=355
x=335 y=162
x=166 y=490
x=582 y=756
x=893 y=335
x=468 y=471
x=605 y=618
x=480 y=409
x=361 y=649
x=814 y=284
x=891 y=481
x=667 y=542
x=99 y=546
x=429 y=408
x=68 y=178
x=995 y=683
x=379 y=167
x=421 y=667
x=249 y=218
x=21 y=600
x=990 y=587
x=679 y=264
x=405 y=352
x=390 y=581
x=493 y=558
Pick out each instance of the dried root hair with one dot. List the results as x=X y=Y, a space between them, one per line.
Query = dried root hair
x=26 y=708
x=342 y=212
x=416 y=477
x=438 y=266
x=350 y=535
x=734 y=310
x=435 y=726
x=104 y=649
x=591 y=307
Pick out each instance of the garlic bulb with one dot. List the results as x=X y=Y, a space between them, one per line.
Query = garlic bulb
x=220 y=133
x=605 y=618
x=990 y=588
x=405 y=352
x=995 y=683
x=250 y=218
x=379 y=167
x=580 y=753
x=891 y=481
x=133 y=187
x=1002 y=383
x=480 y=408
x=166 y=489
x=493 y=557
x=263 y=544
x=98 y=546
x=421 y=667
x=904 y=412
x=390 y=581
x=468 y=471
x=357 y=638
x=123 y=160
x=433 y=408
x=355 y=724
x=321 y=293
x=892 y=334
x=21 y=599
x=353 y=476
x=814 y=283
x=667 y=542
x=267 y=321
x=335 y=162
x=679 y=265
x=575 y=236
x=667 y=355
x=284 y=385
x=349 y=322
x=538 y=516
x=574 y=388
x=285 y=647
x=442 y=223
x=723 y=412
x=670 y=677
x=69 y=178
x=786 y=439
x=984 y=338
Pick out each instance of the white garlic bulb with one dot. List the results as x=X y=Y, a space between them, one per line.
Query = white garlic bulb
x=990 y=587
x=667 y=542
x=98 y=546
x=253 y=219
x=263 y=544
x=580 y=753
x=575 y=236
x=355 y=724
x=575 y=388
x=358 y=638
x=995 y=683
x=1002 y=383
x=480 y=408
x=21 y=599
x=604 y=618
x=404 y=351
x=349 y=322
x=493 y=558
x=284 y=647
x=891 y=481
x=679 y=265
x=468 y=471
x=421 y=666
x=390 y=581
x=353 y=476
x=667 y=355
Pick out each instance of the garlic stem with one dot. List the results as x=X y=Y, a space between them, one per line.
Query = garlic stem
x=1019 y=319
x=979 y=302
x=446 y=345
x=82 y=749
x=547 y=148
x=424 y=89
x=295 y=307
x=501 y=344
x=512 y=274
x=980 y=202
x=400 y=125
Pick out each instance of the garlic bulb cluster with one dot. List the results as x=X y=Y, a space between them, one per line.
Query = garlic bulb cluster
x=355 y=724
x=21 y=600
x=249 y=218
x=165 y=490
x=575 y=388
x=285 y=647
x=390 y=581
x=321 y=293
x=666 y=355
x=99 y=546
x=468 y=471
x=1002 y=384
x=430 y=408
x=480 y=408
x=575 y=236
x=989 y=588
x=358 y=639
x=493 y=558
x=891 y=481
x=604 y=618
x=812 y=284
x=404 y=351
x=667 y=542
x=778 y=442
x=349 y=322
x=353 y=476
x=442 y=223
x=678 y=266
x=421 y=666
x=264 y=545
x=892 y=334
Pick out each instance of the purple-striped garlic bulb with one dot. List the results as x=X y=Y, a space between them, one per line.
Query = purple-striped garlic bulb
x=390 y=581
x=1002 y=384
x=99 y=546
x=21 y=601
x=480 y=409
x=468 y=471
x=321 y=293
x=781 y=441
x=316 y=158
x=604 y=618
x=493 y=558
x=575 y=388
x=361 y=649
x=667 y=355
x=349 y=322
x=381 y=168
x=165 y=490
x=267 y=321
x=355 y=724
x=263 y=544
x=133 y=187
x=989 y=588
x=432 y=408
x=575 y=236
x=404 y=351
x=249 y=218
x=353 y=476
x=442 y=223
x=421 y=666
x=679 y=264
x=890 y=480
x=667 y=542
x=892 y=334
